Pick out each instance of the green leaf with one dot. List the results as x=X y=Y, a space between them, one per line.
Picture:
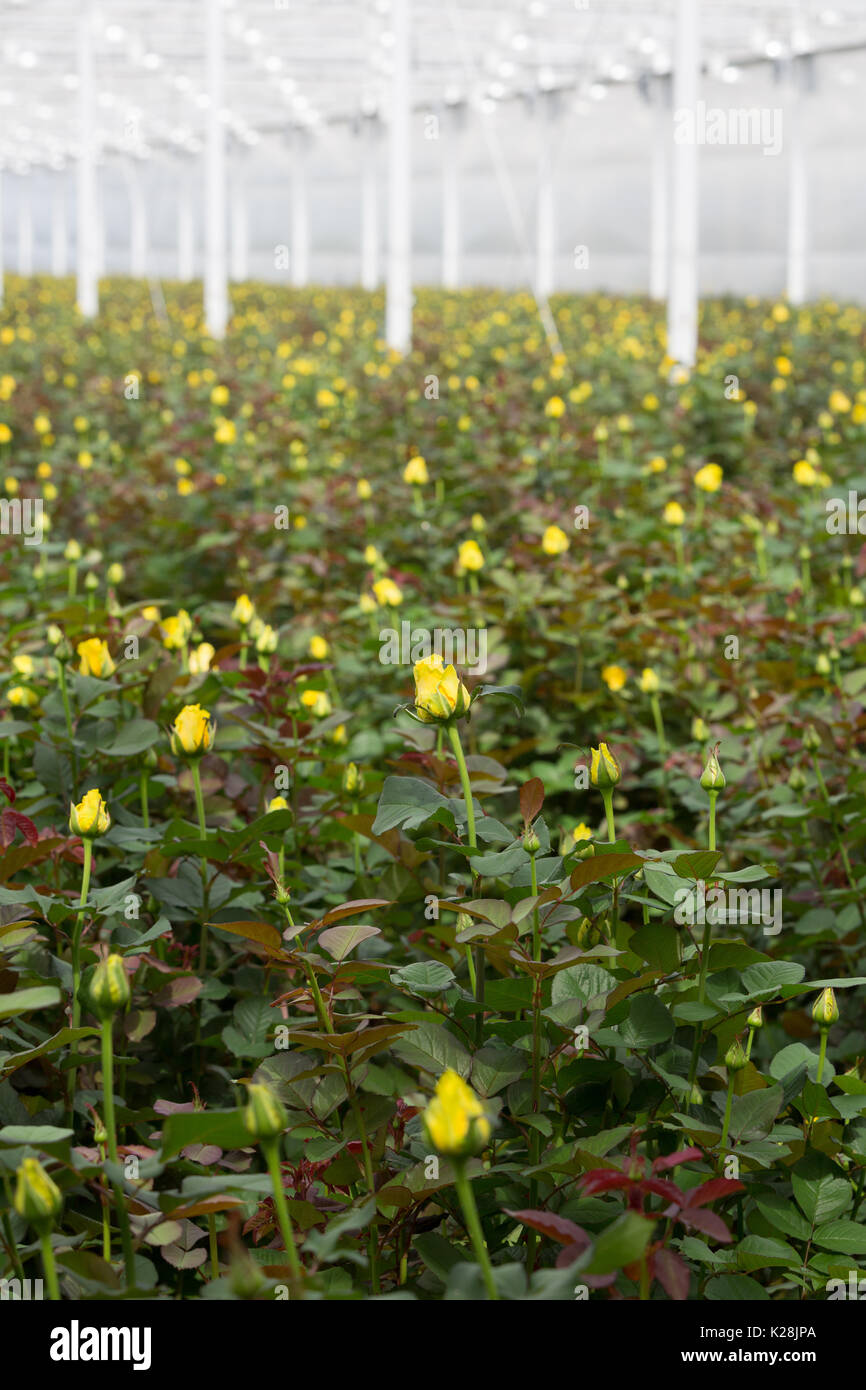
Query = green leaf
x=134 y=737
x=603 y=866
x=620 y=1244
x=821 y=1191
x=648 y=1024
x=733 y=1288
x=761 y=1252
x=495 y=1066
x=23 y=1000
x=768 y=977
x=783 y=1216
x=432 y=1048
x=38 y=1135
x=657 y=944
x=698 y=865
x=224 y=1128
x=846 y=1237
x=65 y=1038
x=581 y=982
x=423 y=977
x=406 y=802
x=339 y=941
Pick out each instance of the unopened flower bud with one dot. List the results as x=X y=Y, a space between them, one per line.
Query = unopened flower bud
x=825 y=1010
x=264 y=1115
x=756 y=1017
x=796 y=779
x=531 y=842
x=712 y=777
x=37 y=1197
x=353 y=780
x=735 y=1057
x=109 y=988
x=811 y=737
x=604 y=770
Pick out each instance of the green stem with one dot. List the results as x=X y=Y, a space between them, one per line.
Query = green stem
x=145 y=806
x=271 y=1150
x=202 y=825
x=64 y=695
x=214 y=1249
x=49 y=1265
x=473 y=1225
x=656 y=708
x=111 y=1132
x=822 y=1055
x=77 y=930
x=714 y=796
x=607 y=798
x=457 y=748
x=729 y=1102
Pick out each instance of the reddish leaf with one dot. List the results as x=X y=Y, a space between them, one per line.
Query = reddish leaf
x=349 y=909
x=672 y=1273
x=12 y=821
x=662 y=1188
x=711 y=1191
x=531 y=799
x=673 y=1160
x=6 y=790
x=706 y=1221
x=604 y=1180
x=554 y=1227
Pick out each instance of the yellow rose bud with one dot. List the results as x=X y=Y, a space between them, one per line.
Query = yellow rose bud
x=176 y=630
x=554 y=541
x=353 y=780
x=735 y=1057
x=200 y=659
x=90 y=817
x=278 y=803
x=614 y=677
x=439 y=692
x=712 y=777
x=455 y=1121
x=109 y=988
x=604 y=770
x=470 y=556
x=416 y=471
x=387 y=593
x=709 y=478
x=825 y=1010
x=193 y=733
x=318 y=702
x=674 y=514
x=244 y=611
x=264 y=1115
x=95 y=658
x=115 y=573
x=37 y=1197
x=319 y=648
x=649 y=681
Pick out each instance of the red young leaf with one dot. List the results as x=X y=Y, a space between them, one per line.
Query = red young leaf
x=12 y=821
x=672 y=1273
x=674 y=1160
x=554 y=1227
x=604 y=1180
x=711 y=1191
x=531 y=799
x=6 y=790
x=706 y=1221
x=662 y=1188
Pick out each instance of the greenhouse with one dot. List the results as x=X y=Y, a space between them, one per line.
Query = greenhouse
x=433 y=671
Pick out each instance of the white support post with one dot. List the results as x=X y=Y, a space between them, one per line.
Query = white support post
x=545 y=209
x=299 y=263
x=798 y=193
x=240 y=237
x=660 y=191
x=683 y=293
x=137 y=225
x=185 y=228
x=25 y=225
x=59 y=227
x=451 y=238
x=216 y=300
x=369 y=206
x=398 y=282
x=86 y=212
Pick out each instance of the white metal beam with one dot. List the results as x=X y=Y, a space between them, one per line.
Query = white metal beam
x=369 y=206
x=451 y=230
x=798 y=193
x=398 y=283
x=660 y=191
x=25 y=225
x=87 y=211
x=683 y=294
x=59 y=226
x=545 y=206
x=216 y=299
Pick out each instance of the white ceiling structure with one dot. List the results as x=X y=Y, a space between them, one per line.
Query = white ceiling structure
x=139 y=86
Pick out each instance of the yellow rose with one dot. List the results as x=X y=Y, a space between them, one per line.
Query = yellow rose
x=200 y=658
x=192 y=732
x=21 y=697
x=416 y=471
x=581 y=832
x=455 y=1120
x=470 y=556
x=278 y=803
x=614 y=677
x=318 y=702
x=439 y=692
x=674 y=514
x=244 y=611
x=804 y=473
x=95 y=658
x=387 y=593
x=709 y=478
x=37 y=1197
x=318 y=648
x=554 y=541
x=90 y=817
x=555 y=408
x=649 y=681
